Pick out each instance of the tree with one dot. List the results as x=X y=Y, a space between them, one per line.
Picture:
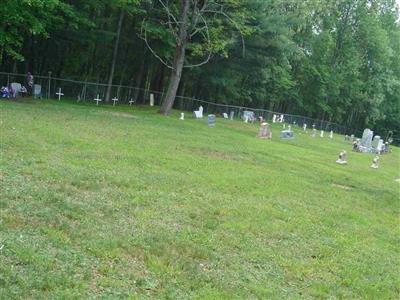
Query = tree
x=203 y=28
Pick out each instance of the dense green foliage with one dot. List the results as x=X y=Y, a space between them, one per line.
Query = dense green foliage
x=121 y=203
x=336 y=60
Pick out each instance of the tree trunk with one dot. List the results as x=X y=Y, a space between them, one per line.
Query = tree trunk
x=114 y=59
x=179 y=59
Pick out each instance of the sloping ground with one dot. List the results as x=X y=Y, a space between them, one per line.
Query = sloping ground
x=117 y=202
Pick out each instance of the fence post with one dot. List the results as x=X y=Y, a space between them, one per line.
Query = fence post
x=49 y=85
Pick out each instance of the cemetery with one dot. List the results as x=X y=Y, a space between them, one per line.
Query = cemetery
x=154 y=203
x=223 y=149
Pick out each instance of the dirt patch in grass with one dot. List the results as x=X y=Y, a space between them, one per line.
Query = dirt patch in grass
x=120 y=114
x=341 y=186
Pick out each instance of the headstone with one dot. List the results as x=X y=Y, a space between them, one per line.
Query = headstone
x=265 y=131
x=231 y=115
x=225 y=115
x=282 y=119
x=97 y=99
x=380 y=147
x=59 y=94
x=284 y=126
x=211 y=120
x=356 y=144
x=261 y=119
x=198 y=114
x=346 y=138
x=314 y=133
x=151 y=99
x=352 y=138
x=287 y=135
x=375 y=162
x=289 y=127
x=114 y=100
x=331 y=134
x=248 y=116
x=366 y=141
x=182 y=116
x=342 y=158
x=16 y=87
x=274 y=118
x=131 y=102
x=322 y=134
x=304 y=127
x=375 y=141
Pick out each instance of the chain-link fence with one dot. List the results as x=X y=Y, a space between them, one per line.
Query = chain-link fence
x=88 y=91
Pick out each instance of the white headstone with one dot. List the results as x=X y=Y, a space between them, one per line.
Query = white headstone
x=375 y=162
x=225 y=115
x=282 y=118
x=290 y=127
x=331 y=134
x=232 y=114
x=114 y=100
x=284 y=126
x=304 y=127
x=131 y=102
x=198 y=114
x=151 y=99
x=59 y=94
x=97 y=99
x=322 y=134
x=274 y=118
x=182 y=116
x=342 y=158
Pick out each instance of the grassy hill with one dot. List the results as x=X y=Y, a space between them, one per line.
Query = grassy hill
x=120 y=202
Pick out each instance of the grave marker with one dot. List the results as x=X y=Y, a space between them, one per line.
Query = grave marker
x=211 y=120
x=375 y=162
x=182 y=116
x=151 y=99
x=265 y=132
x=198 y=114
x=331 y=134
x=287 y=135
x=231 y=115
x=114 y=100
x=342 y=158
x=322 y=134
x=225 y=115
x=59 y=94
x=97 y=100
x=304 y=127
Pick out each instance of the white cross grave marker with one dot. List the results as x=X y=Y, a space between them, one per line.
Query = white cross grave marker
x=97 y=99
x=59 y=94
x=114 y=100
x=131 y=101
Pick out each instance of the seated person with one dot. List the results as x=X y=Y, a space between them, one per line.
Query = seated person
x=4 y=92
x=23 y=91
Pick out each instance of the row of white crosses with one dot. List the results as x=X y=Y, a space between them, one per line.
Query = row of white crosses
x=97 y=99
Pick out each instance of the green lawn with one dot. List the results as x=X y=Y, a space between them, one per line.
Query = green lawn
x=120 y=202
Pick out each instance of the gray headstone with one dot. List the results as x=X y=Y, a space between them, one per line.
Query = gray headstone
x=287 y=135
x=375 y=142
x=248 y=115
x=231 y=115
x=366 y=141
x=211 y=120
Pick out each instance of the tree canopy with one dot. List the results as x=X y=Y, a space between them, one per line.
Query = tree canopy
x=335 y=60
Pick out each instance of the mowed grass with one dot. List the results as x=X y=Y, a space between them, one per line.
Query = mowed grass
x=120 y=202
